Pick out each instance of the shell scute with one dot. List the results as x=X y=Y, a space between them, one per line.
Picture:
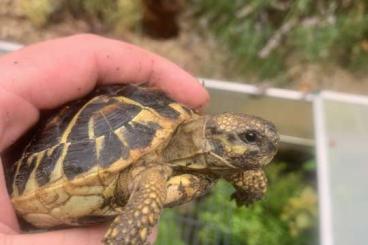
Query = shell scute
x=47 y=164
x=80 y=157
x=25 y=169
x=140 y=135
x=110 y=130
x=112 y=150
x=154 y=99
x=52 y=129
x=110 y=117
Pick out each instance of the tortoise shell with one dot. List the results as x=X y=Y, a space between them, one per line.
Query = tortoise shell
x=80 y=150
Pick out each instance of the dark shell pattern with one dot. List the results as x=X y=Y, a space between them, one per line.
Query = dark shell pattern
x=71 y=134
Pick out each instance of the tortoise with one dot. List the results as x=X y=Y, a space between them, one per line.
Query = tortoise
x=125 y=152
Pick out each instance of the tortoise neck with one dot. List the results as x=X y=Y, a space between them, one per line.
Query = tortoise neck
x=188 y=145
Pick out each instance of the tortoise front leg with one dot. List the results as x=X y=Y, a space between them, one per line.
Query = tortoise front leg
x=186 y=187
x=250 y=185
x=142 y=210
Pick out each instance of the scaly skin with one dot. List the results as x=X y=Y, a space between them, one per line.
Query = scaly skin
x=143 y=209
x=185 y=188
x=250 y=186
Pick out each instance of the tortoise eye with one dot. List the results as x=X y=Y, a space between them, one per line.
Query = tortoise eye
x=249 y=137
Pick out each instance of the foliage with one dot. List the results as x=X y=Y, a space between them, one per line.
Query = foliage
x=169 y=232
x=117 y=15
x=287 y=215
x=283 y=217
x=298 y=211
x=265 y=35
x=39 y=12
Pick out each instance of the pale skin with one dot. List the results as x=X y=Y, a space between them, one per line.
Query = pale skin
x=49 y=74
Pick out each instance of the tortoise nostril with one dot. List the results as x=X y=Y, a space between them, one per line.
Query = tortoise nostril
x=231 y=138
x=253 y=153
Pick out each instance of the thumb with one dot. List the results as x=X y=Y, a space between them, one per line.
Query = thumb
x=80 y=236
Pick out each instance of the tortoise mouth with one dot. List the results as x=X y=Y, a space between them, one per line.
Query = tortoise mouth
x=252 y=167
x=266 y=160
x=246 y=162
x=228 y=172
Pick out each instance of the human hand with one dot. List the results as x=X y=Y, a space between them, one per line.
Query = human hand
x=49 y=74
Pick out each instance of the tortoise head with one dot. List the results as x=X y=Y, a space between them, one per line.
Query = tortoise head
x=240 y=141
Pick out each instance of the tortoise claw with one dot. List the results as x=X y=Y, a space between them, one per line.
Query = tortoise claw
x=243 y=199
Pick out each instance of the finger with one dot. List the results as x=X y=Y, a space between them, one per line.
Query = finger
x=80 y=236
x=153 y=236
x=48 y=74
x=16 y=116
x=8 y=220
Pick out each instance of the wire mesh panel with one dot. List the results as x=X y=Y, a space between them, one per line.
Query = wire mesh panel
x=187 y=229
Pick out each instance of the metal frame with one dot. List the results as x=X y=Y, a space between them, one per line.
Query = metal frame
x=254 y=90
x=326 y=237
x=9 y=46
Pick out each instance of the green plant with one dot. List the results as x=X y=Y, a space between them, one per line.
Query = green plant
x=281 y=218
x=169 y=232
x=299 y=212
x=287 y=215
x=39 y=12
x=115 y=15
x=263 y=35
x=119 y=15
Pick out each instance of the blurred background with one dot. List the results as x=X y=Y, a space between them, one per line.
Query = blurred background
x=301 y=45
